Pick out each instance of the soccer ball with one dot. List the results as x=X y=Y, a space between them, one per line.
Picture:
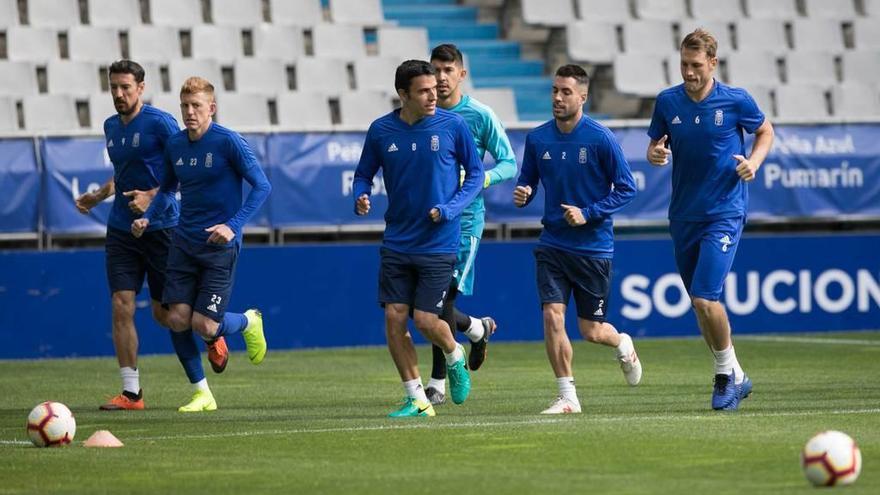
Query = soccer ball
x=831 y=458
x=51 y=424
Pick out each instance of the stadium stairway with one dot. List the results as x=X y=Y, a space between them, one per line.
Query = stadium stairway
x=493 y=62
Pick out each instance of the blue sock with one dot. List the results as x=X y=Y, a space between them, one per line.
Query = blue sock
x=231 y=323
x=188 y=353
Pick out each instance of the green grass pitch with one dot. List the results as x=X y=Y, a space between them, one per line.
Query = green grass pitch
x=314 y=422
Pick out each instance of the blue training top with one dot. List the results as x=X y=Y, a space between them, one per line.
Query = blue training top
x=136 y=150
x=703 y=138
x=583 y=168
x=210 y=173
x=420 y=164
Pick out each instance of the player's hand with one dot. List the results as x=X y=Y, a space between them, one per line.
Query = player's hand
x=140 y=201
x=521 y=194
x=220 y=234
x=745 y=169
x=363 y=204
x=435 y=215
x=139 y=226
x=86 y=202
x=573 y=215
x=487 y=181
x=659 y=153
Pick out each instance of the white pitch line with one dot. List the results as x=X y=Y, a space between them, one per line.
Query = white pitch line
x=477 y=424
x=809 y=340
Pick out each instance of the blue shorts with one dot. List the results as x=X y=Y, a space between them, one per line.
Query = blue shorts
x=420 y=281
x=560 y=273
x=464 y=264
x=129 y=258
x=200 y=275
x=704 y=253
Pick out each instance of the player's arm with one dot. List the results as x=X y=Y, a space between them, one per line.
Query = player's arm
x=747 y=168
x=474 y=176
x=368 y=166
x=89 y=200
x=245 y=163
x=163 y=198
x=498 y=145
x=529 y=175
x=139 y=200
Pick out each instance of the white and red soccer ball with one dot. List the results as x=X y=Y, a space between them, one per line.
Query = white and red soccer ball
x=51 y=424
x=831 y=458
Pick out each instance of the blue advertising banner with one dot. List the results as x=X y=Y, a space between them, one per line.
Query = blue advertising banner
x=326 y=295
x=19 y=186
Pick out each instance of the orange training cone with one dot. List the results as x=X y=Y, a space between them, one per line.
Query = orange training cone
x=102 y=438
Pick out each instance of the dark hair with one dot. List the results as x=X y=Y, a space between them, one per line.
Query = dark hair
x=127 y=67
x=447 y=52
x=409 y=70
x=574 y=71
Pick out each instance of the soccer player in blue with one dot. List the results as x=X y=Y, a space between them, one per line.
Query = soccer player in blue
x=208 y=162
x=586 y=180
x=135 y=138
x=419 y=148
x=489 y=136
x=701 y=123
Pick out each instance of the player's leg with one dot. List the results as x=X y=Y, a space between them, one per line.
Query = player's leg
x=436 y=388
x=477 y=330
x=554 y=290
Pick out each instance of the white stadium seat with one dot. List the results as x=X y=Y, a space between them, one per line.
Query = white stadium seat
x=180 y=70
x=278 y=42
x=8 y=114
x=817 y=35
x=855 y=100
x=67 y=77
x=713 y=10
x=591 y=41
x=771 y=9
x=17 y=78
x=866 y=35
x=236 y=110
x=861 y=66
x=403 y=42
x=100 y=107
x=50 y=113
x=176 y=13
x=118 y=14
x=153 y=44
x=756 y=35
x=375 y=73
x=337 y=41
x=641 y=74
x=801 y=101
x=321 y=75
x=358 y=12
x=654 y=37
x=548 y=12
x=8 y=13
x=303 y=111
x=152 y=78
x=94 y=44
x=169 y=102
x=221 y=43
x=831 y=9
x=752 y=68
x=53 y=13
x=296 y=12
x=763 y=97
x=665 y=10
x=502 y=101
x=260 y=76
x=30 y=44
x=238 y=13
x=872 y=8
x=810 y=67
x=604 y=10
x=360 y=108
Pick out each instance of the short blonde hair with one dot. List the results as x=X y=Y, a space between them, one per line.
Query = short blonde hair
x=195 y=85
x=701 y=40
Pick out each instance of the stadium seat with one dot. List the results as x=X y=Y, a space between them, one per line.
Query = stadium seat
x=238 y=13
x=53 y=13
x=260 y=75
x=50 y=113
x=402 y=42
x=221 y=43
x=762 y=96
x=655 y=37
x=872 y=8
x=502 y=101
x=236 y=110
x=118 y=14
x=65 y=77
x=8 y=13
x=38 y=45
x=664 y=10
x=641 y=74
x=548 y=12
x=361 y=108
x=861 y=66
x=322 y=75
x=761 y=35
x=303 y=111
x=357 y=12
x=17 y=78
x=153 y=44
x=331 y=40
x=817 y=35
x=831 y=9
x=856 y=100
x=176 y=13
x=180 y=70
x=591 y=41
x=296 y=12
x=752 y=68
x=100 y=107
x=375 y=73
x=169 y=102
x=153 y=79
x=94 y=44
x=801 y=101
x=866 y=36
x=810 y=67
x=8 y=114
x=771 y=9
x=713 y=10
x=278 y=42
x=604 y=10
x=719 y=29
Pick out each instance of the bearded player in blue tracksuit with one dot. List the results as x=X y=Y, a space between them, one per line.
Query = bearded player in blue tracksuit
x=419 y=149
x=586 y=179
x=489 y=136
x=208 y=162
x=702 y=121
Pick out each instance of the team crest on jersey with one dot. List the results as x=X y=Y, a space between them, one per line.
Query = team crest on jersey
x=179 y=162
x=435 y=143
x=136 y=140
x=697 y=119
x=209 y=160
x=719 y=117
x=582 y=156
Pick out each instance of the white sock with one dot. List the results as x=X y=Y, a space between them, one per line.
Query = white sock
x=130 y=379
x=725 y=362
x=415 y=390
x=475 y=331
x=201 y=385
x=625 y=348
x=437 y=384
x=455 y=355
x=566 y=388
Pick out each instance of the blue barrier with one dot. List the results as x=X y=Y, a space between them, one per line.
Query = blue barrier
x=57 y=303
x=19 y=186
